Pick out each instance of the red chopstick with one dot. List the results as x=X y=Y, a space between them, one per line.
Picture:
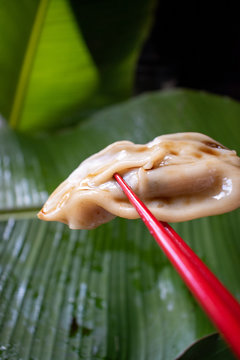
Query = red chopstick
x=221 y=307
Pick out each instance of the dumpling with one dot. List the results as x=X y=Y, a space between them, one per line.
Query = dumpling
x=179 y=177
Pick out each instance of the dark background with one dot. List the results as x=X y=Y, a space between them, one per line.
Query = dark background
x=192 y=45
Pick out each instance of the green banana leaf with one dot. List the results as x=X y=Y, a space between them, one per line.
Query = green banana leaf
x=58 y=58
x=108 y=293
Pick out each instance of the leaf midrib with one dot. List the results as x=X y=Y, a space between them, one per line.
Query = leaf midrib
x=27 y=63
x=22 y=213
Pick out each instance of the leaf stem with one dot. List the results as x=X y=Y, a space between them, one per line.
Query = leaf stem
x=27 y=64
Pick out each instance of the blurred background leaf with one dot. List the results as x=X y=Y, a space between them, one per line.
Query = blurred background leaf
x=60 y=59
x=108 y=293
x=208 y=348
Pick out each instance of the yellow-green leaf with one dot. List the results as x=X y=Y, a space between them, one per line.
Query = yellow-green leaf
x=58 y=58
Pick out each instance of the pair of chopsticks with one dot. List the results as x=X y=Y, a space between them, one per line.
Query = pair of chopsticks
x=215 y=299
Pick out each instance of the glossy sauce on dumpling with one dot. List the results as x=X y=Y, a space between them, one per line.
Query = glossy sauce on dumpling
x=179 y=177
